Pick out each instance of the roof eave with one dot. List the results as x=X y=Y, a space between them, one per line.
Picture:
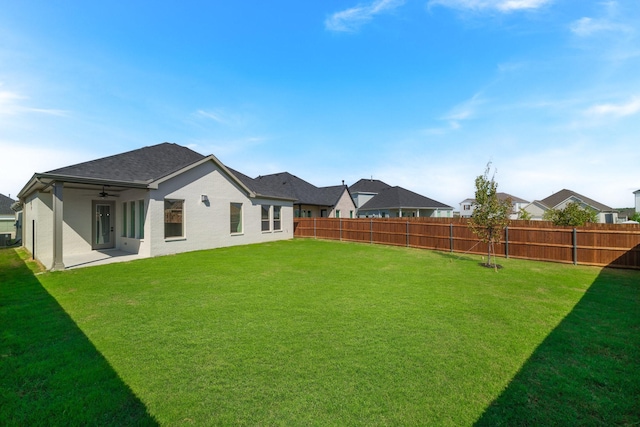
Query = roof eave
x=46 y=179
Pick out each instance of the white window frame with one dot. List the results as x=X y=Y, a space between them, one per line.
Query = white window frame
x=277 y=222
x=182 y=219
x=265 y=223
x=241 y=219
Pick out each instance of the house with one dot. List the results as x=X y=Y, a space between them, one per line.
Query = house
x=365 y=190
x=396 y=202
x=375 y=198
x=637 y=197
x=7 y=220
x=562 y=198
x=467 y=205
x=157 y=200
x=309 y=200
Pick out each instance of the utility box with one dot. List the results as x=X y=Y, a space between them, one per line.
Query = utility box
x=5 y=239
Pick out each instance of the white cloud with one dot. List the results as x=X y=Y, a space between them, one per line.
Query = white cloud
x=585 y=27
x=619 y=110
x=498 y=5
x=465 y=110
x=11 y=104
x=29 y=158
x=221 y=117
x=351 y=19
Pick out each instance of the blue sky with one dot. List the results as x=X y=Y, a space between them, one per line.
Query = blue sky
x=417 y=93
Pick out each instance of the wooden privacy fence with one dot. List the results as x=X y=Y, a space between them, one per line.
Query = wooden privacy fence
x=614 y=245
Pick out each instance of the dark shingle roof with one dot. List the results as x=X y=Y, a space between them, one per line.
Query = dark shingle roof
x=5 y=205
x=300 y=190
x=562 y=195
x=260 y=187
x=142 y=165
x=368 y=186
x=502 y=196
x=398 y=197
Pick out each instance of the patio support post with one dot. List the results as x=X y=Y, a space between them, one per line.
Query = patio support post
x=58 y=263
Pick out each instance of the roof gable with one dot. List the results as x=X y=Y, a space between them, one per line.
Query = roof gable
x=300 y=190
x=368 y=186
x=563 y=195
x=398 y=197
x=5 y=205
x=261 y=188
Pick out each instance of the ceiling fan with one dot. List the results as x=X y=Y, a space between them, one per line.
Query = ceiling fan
x=103 y=194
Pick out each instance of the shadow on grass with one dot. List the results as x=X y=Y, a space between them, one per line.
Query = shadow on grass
x=51 y=373
x=587 y=371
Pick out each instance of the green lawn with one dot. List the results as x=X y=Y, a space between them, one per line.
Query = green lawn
x=308 y=332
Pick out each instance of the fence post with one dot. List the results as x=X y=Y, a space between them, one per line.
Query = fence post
x=407 y=233
x=314 y=228
x=506 y=241
x=575 y=247
x=451 y=237
x=340 y=229
x=371 y=230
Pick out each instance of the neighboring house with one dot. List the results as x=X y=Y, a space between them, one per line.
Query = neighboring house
x=309 y=200
x=7 y=220
x=467 y=205
x=637 y=197
x=562 y=198
x=157 y=200
x=365 y=190
x=399 y=202
x=625 y=214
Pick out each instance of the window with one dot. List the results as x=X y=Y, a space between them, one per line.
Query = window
x=132 y=229
x=467 y=207
x=141 y=219
x=124 y=219
x=265 y=217
x=350 y=214
x=277 y=224
x=236 y=218
x=173 y=218
x=337 y=213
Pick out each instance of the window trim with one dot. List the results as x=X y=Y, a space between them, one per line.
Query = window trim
x=240 y=221
x=265 y=221
x=182 y=220
x=277 y=220
x=124 y=220
x=141 y=219
x=132 y=220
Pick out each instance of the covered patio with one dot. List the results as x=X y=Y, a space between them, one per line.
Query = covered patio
x=99 y=257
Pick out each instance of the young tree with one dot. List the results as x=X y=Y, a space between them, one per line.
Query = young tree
x=573 y=215
x=524 y=215
x=490 y=214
